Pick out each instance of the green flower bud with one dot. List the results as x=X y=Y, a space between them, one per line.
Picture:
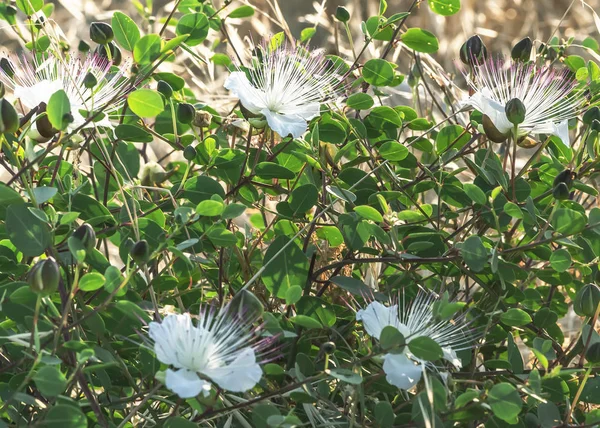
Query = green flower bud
x=140 y=252
x=593 y=353
x=7 y=67
x=596 y=125
x=473 y=50
x=115 y=53
x=44 y=276
x=90 y=81
x=515 y=111
x=185 y=113
x=86 y=234
x=561 y=192
x=43 y=126
x=328 y=348
x=587 y=300
x=9 y=119
x=2 y=90
x=522 y=50
x=101 y=33
x=567 y=176
x=83 y=47
x=165 y=89
x=202 y=119
x=591 y=115
x=189 y=153
x=342 y=14
x=491 y=131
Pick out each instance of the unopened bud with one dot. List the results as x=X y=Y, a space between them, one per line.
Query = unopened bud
x=83 y=47
x=342 y=14
x=593 y=353
x=591 y=115
x=561 y=192
x=202 y=119
x=473 y=50
x=328 y=348
x=101 y=33
x=2 y=90
x=491 y=131
x=140 y=252
x=165 y=89
x=86 y=234
x=595 y=125
x=567 y=176
x=44 y=276
x=90 y=81
x=115 y=53
x=9 y=119
x=185 y=113
x=515 y=111
x=522 y=50
x=189 y=153
x=7 y=67
x=587 y=300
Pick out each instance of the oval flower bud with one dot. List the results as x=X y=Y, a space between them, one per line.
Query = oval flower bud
x=591 y=115
x=140 y=252
x=189 y=153
x=101 y=33
x=44 y=276
x=86 y=234
x=515 y=111
x=165 y=89
x=90 y=81
x=561 y=192
x=83 y=47
x=328 y=348
x=2 y=90
x=7 y=67
x=9 y=119
x=522 y=50
x=593 y=353
x=185 y=113
x=342 y=14
x=115 y=53
x=587 y=300
x=567 y=176
x=473 y=50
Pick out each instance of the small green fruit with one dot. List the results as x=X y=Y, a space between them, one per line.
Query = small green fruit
x=189 y=153
x=44 y=276
x=587 y=300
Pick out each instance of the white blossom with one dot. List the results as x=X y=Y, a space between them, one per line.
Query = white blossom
x=416 y=319
x=287 y=86
x=548 y=94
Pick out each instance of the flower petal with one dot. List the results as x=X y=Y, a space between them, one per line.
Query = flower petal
x=400 y=371
x=32 y=96
x=249 y=96
x=561 y=130
x=495 y=111
x=240 y=375
x=376 y=316
x=186 y=383
x=305 y=111
x=450 y=356
x=166 y=335
x=286 y=124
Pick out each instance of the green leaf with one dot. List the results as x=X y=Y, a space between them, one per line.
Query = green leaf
x=451 y=136
x=352 y=285
x=178 y=422
x=8 y=197
x=515 y=317
x=369 y=213
x=27 y=232
x=44 y=194
x=393 y=151
x=293 y=294
x=195 y=25
x=360 y=101
x=133 y=133
x=91 y=281
x=303 y=198
x=210 y=208
x=147 y=49
x=233 y=211
x=269 y=170
x=444 y=7
x=346 y=375
x=29 y=7
x=126 y=31
x=568 y=221
x=241 y=12
x=378 y=72
x=65 y=416
x=505 y=402
x=306 y=322
x=475 y=193
x=474 y=253
x=560 y=260
x=201 y=188
x=425 y=348
x=514 y=355
x=384 y=414
x=145 y=103
x=513 y=210
x=221 y=237
x=420 y=40
x=59 y=107
x=390 y=337
x=50 y=381
x=332 y=234
x=283 y=270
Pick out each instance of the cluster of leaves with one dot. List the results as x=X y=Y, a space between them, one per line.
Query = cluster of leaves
x=375 y=199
